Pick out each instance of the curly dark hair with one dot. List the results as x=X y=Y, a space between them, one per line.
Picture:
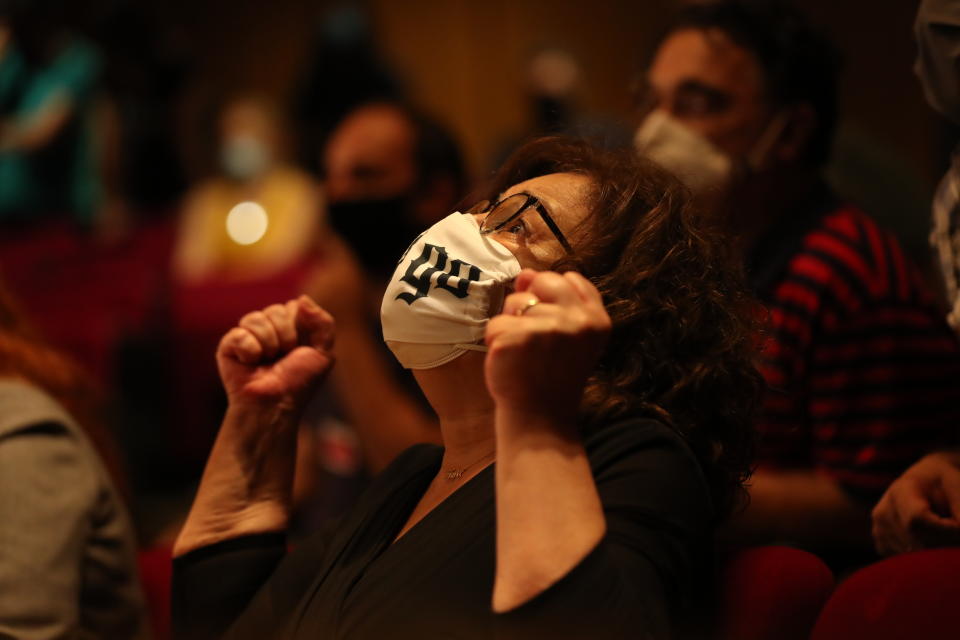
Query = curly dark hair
x=685 y=329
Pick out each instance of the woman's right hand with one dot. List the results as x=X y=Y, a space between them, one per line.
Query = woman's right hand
x=278 y=355
x=269 y=364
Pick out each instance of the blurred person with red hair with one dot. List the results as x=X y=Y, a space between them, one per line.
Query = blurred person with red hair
x=67 y=547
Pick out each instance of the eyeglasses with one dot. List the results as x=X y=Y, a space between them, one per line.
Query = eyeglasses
x=503 y=212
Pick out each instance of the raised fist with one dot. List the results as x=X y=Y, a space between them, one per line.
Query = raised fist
x=277 y=355
x=547 y=341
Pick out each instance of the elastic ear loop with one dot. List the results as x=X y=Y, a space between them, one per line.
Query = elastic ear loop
x=758 y=155
x=473 y=347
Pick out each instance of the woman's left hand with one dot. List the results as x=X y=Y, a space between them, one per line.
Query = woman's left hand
x=545 y=343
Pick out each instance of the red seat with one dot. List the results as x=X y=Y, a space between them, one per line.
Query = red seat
x=771 y=593
x=156 y=570
x=914 y=595
x=84 y=295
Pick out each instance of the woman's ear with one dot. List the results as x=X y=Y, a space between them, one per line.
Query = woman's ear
x=797 y=132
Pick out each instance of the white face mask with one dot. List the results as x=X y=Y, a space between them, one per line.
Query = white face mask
x=445 y=288
x=695 y=160
x=684 y=152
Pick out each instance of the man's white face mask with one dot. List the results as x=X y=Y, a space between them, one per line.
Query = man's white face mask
x=695 y=160
x=683 y=152
x=447 y=285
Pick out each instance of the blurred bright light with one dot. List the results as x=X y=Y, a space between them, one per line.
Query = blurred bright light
x=246 y=223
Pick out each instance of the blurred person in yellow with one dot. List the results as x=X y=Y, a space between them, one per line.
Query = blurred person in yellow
x=259 y=214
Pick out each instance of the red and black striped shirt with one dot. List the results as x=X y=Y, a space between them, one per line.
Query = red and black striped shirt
x=862 y=370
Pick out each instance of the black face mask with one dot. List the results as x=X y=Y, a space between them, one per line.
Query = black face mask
x=552 y=114
x=378 y=231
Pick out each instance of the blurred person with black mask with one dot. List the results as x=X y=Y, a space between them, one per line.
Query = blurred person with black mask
x=860 y=367
x=390 y=168
x=389 y=165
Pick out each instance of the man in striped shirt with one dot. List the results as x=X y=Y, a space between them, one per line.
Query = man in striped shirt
x=863 y=373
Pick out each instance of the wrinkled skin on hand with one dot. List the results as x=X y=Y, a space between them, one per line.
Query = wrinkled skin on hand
x=278 y=355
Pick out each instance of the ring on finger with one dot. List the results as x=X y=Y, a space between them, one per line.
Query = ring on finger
x=530 y=304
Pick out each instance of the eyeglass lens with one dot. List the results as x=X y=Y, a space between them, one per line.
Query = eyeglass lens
x=504 y=210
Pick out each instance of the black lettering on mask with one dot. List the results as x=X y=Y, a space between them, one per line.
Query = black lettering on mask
x=437 y=258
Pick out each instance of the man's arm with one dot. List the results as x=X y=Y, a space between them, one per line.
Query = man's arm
x=805 y=507
x=386 y=416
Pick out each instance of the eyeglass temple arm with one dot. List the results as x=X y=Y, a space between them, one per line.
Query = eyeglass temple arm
x=553 y=227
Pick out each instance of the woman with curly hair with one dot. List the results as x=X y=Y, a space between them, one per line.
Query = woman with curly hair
x=587 y=346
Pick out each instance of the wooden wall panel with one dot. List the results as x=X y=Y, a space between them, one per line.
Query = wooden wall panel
x=465 y=59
